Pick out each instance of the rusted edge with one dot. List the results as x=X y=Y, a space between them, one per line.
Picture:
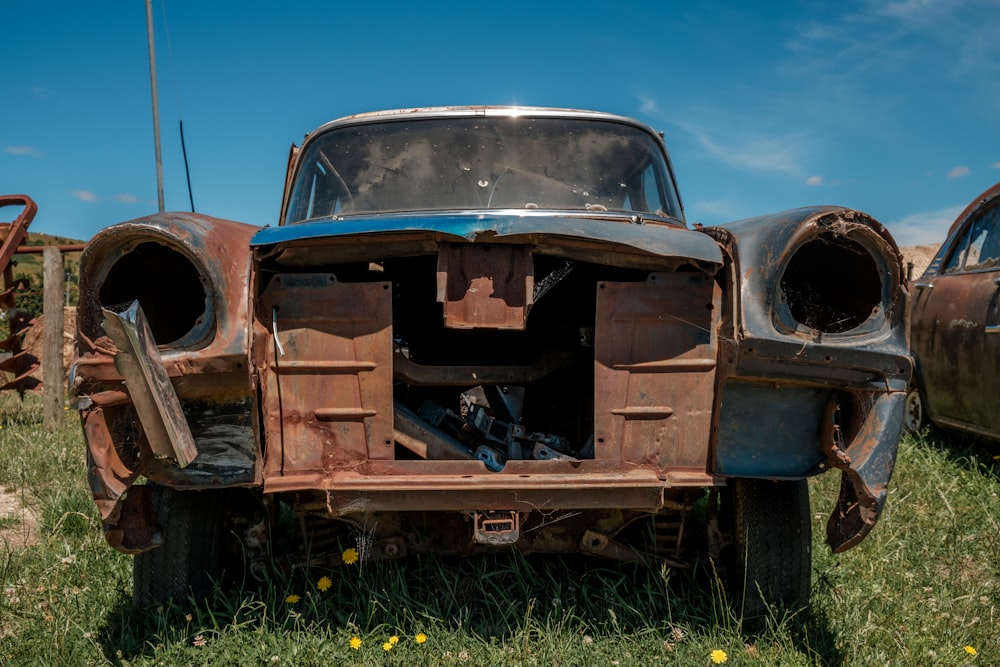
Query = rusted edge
x=867 y=466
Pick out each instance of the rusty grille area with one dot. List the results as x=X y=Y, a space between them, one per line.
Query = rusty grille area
x=489 y=372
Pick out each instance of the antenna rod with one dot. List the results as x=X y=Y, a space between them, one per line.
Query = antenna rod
x=187 y=171
x=156 y=109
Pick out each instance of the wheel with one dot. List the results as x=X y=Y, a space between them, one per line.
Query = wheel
x=914 y=413
x=771 y=564
x=199 y=546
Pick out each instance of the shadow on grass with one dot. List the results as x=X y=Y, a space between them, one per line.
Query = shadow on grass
x=964 y=450
x=486 y=597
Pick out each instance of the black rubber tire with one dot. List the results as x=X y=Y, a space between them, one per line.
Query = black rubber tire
x=196 y=552
x=772 y=546
x=914 y=411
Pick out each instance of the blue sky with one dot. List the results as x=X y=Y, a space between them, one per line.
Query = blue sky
x=888 y=107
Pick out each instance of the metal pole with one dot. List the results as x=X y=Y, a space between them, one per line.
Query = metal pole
x=156 y=108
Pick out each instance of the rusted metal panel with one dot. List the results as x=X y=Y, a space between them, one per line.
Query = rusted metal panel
x=326 y=373
x=948 y=332
x=655 y=349
x=867 y=460
x=485 y=285
x=149 y=387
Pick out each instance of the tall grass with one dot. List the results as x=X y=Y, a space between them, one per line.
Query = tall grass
x=924 y=586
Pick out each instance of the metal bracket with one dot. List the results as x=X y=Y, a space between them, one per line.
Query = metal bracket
x=496 y=527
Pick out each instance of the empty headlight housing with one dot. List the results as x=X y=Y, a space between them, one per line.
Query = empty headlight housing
x=169 y=285
x=835 y=283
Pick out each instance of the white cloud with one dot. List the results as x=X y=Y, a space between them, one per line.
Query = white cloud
x=995 y=165
x=814 y=180
x=743 y=150
x=42 y=93
x=924 y=228
x=959 y=171
x=647 y=105
x=21 y=150
x=85 y=195
x=126 y=198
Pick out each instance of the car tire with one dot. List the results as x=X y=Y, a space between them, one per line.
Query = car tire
x=771 y=566
x=196 y=553
x=915 y=411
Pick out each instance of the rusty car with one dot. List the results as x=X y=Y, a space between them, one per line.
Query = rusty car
x=955 y=327
x=488 y=328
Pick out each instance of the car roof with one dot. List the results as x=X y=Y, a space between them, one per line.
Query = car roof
x=473 y=111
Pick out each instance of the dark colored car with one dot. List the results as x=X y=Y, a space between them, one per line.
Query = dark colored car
x=955 y=327
x=481 y=328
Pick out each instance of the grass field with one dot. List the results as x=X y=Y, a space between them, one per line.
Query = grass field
x=923 y=589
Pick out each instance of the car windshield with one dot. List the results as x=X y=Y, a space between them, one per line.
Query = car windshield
x=461 y=163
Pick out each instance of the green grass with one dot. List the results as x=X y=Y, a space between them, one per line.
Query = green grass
x=924 y=585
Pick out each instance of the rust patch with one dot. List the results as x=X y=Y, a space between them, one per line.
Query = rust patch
x=485 y=285
x=326 y=373
x=655 y=347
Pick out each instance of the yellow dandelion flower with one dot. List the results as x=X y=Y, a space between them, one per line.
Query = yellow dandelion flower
x=420 y=638
x=292 y=599
x=355 y=643
x=350 y=556
x=324 y=584
x=394 y=640
x=718 y=656
x=387 y=646
x=971 y=650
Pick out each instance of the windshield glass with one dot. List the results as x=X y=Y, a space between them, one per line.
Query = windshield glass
x=483 y=163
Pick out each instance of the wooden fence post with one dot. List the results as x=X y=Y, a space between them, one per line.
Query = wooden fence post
x=52 y=338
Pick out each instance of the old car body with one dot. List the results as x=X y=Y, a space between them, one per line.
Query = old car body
x=477 y=328
x=955 y=327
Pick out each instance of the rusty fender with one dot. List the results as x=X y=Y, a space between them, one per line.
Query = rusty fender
x=781 y=265
x=207 y=367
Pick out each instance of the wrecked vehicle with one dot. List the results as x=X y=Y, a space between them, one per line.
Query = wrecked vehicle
x=955 y=325
x=481 y=328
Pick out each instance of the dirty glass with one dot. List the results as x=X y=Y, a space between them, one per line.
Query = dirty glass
x=482 y=163
x=979 y=247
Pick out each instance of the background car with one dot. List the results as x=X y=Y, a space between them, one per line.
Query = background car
x=486 y=328
x=955 y=327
